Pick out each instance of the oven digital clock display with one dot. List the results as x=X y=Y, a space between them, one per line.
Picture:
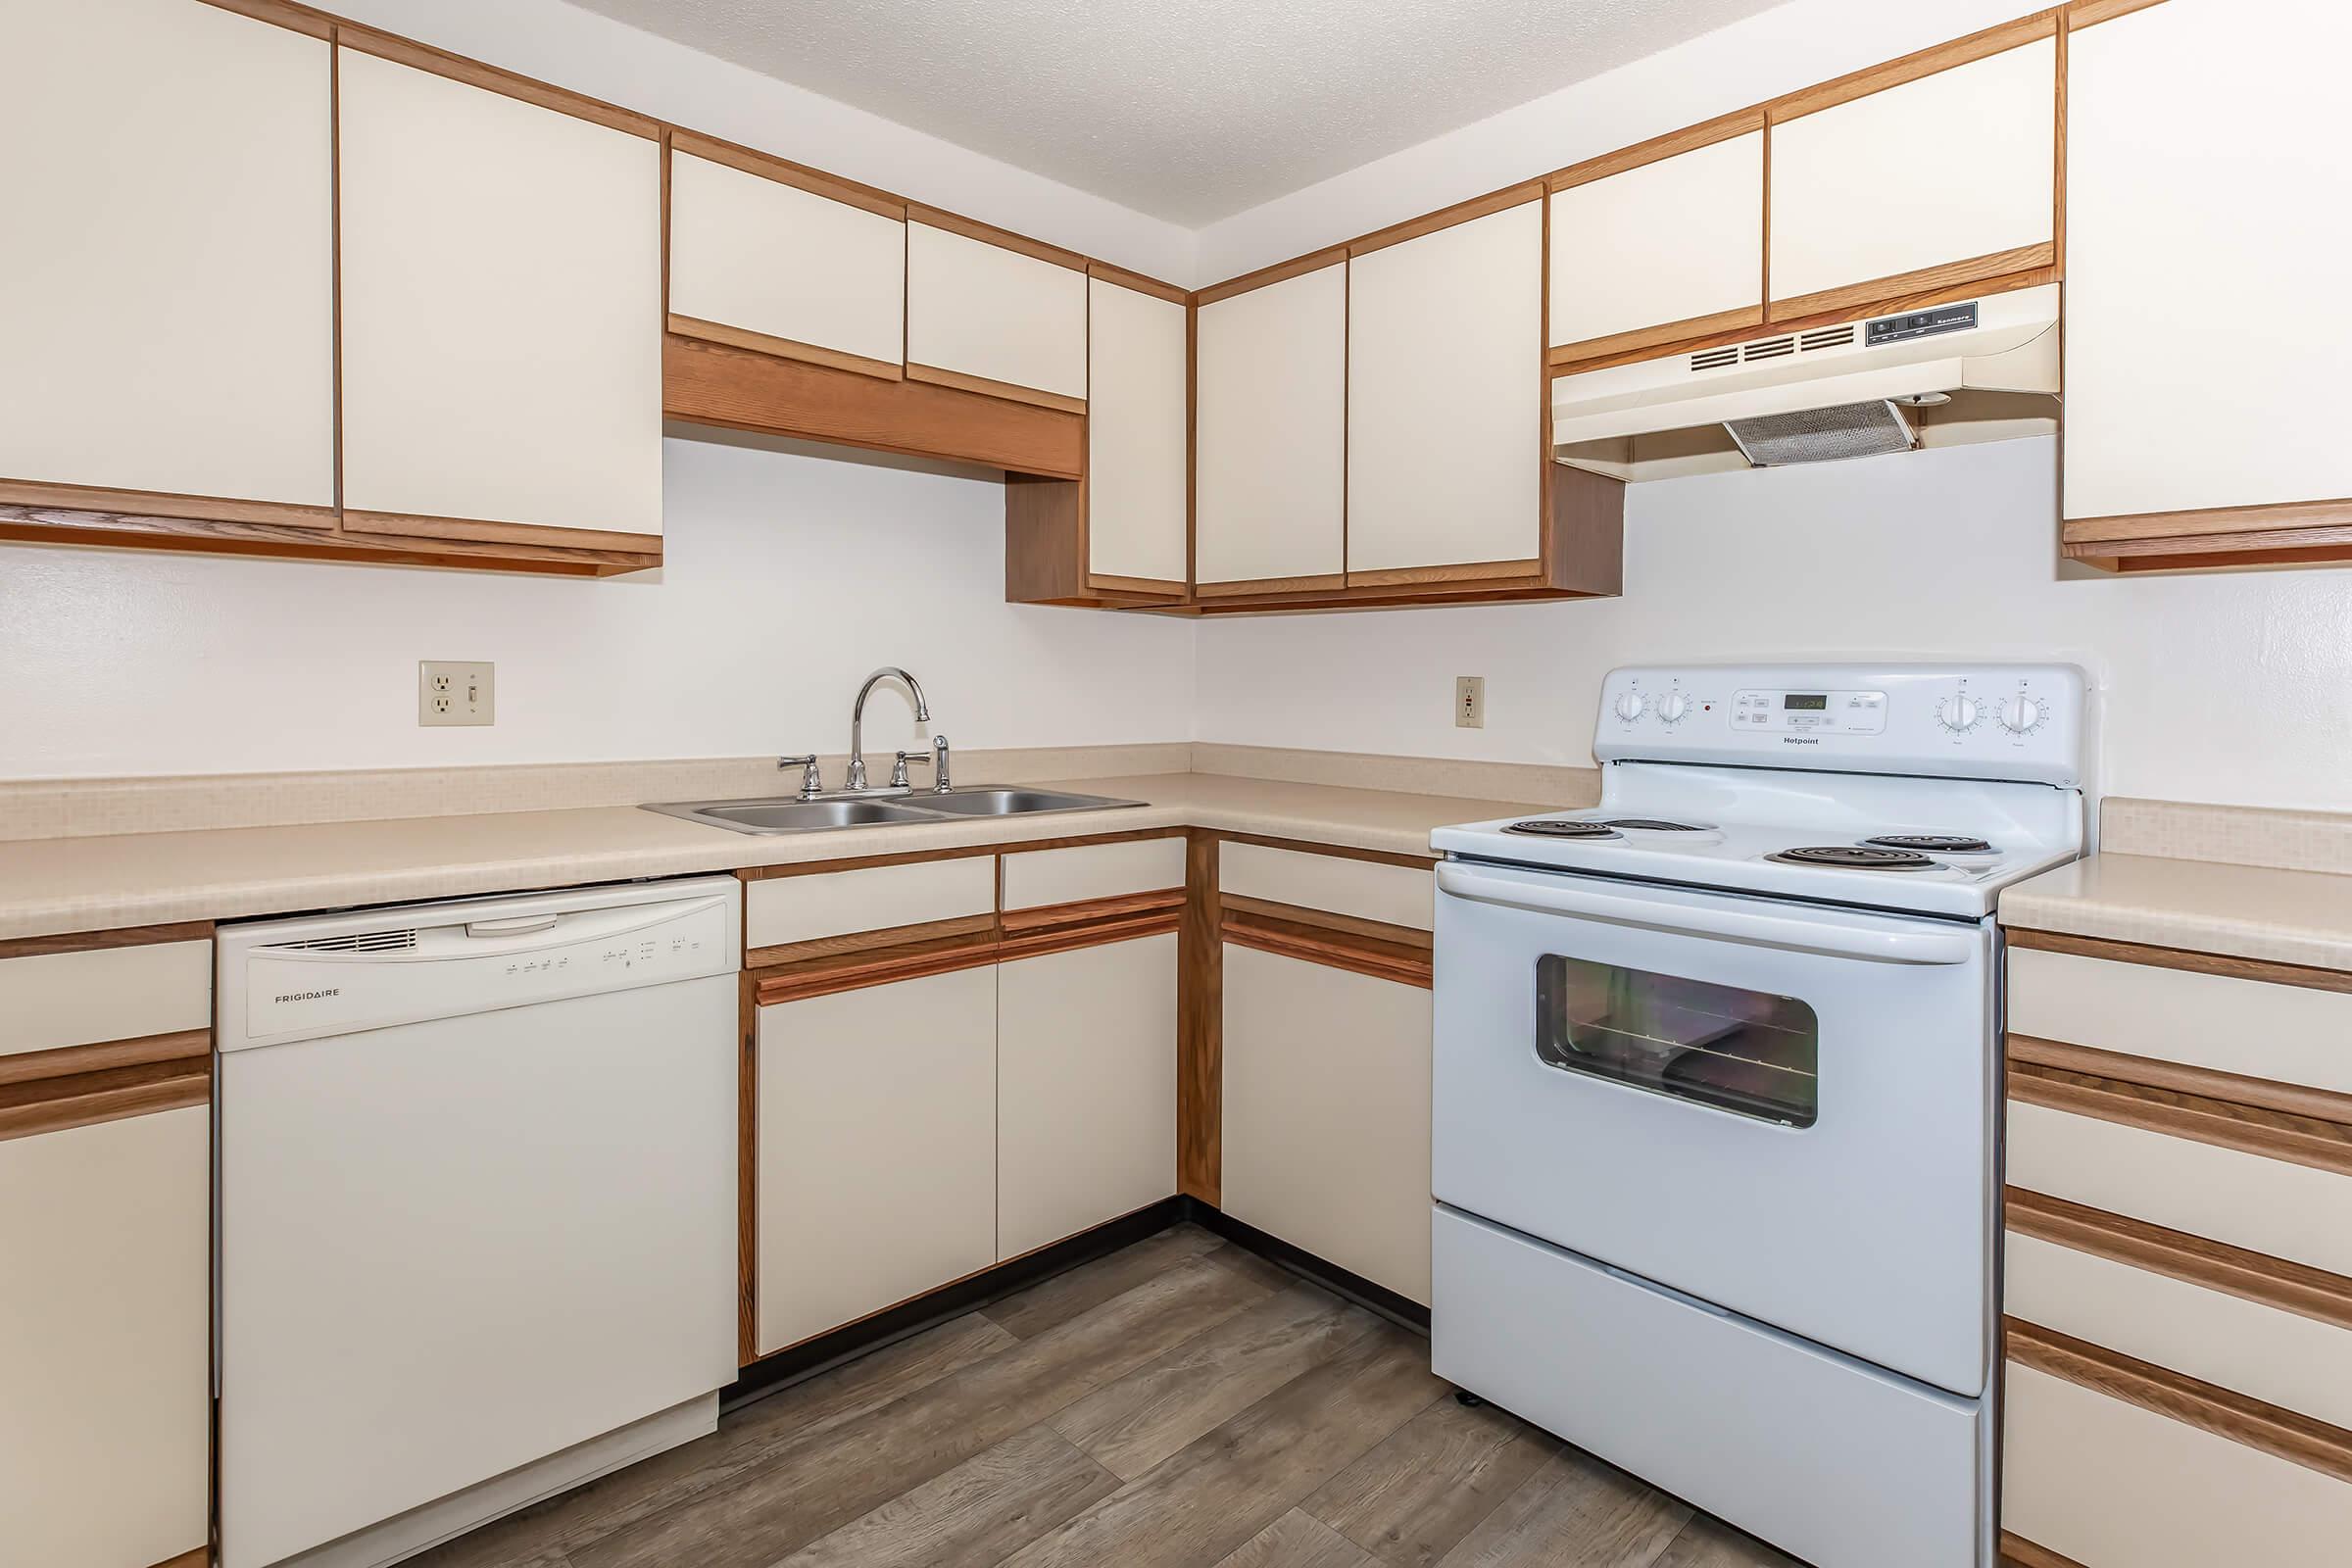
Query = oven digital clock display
x=1808 y=703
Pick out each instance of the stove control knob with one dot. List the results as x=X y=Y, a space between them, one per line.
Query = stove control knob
x=1672 y=707
x=1958 y=713
x=2019 y=714
x=1631 y=707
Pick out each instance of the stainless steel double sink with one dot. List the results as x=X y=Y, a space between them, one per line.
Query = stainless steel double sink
x=788 y=814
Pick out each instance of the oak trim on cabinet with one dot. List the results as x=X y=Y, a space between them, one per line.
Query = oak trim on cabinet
x=2235 y=968
x=1003 y=238
x=2273 y=533
x=1122 y=906
x=747 y=1169
x=2224 y=1124
x=1261 y=587
x=1046 y=551
x=1664 y=339
x=511 y=85
x=1201 y=1026
x=128 y=936
x=1353 y=926
x=784 y=171
x=786 y=348
x=2283 y=1433
x=897 y=936
x=1477 y=207
x=294 y=18
x=981 y=385
x=2019 y=1553
x=734 y=389
x=2258 y=1277
x=1322 y=945
x=1046 y=940
x=1139 y=283
x=112 y=1093
x=2089 y=13
x=40 y=495
x=36 y=526
x=1464 y=572
x=1266 y=276
x=854 y=971
x=1927 y=62
x=2024 y=267
x=105 y=1055
x=1344 y=852
x=2207 y=1083
x=1674 y=143
x=1156 y=586
x=412 y=526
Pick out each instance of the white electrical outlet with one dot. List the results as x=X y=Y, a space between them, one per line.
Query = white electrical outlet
x=1469 y=702
x=454 y=693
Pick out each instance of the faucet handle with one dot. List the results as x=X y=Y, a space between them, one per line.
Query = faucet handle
x=939 y=764
x=898 y=770
x=813 y=781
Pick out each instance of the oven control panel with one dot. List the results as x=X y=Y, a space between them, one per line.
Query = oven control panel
x=1999 y=721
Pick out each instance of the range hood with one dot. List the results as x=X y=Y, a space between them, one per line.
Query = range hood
x=1976 y=369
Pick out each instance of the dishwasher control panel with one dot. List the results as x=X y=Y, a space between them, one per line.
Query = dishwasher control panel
x=282 y=981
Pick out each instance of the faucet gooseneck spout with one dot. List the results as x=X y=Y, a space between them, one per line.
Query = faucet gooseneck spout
x=922 y=715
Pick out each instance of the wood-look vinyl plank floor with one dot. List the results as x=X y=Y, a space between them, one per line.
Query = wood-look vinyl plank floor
x=1181 y=1403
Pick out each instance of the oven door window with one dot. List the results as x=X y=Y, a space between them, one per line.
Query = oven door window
x=1747 y=1052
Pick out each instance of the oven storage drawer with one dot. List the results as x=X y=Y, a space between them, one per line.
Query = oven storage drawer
x=1843 y=1465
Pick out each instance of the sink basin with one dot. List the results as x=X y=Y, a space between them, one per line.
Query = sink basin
x=989 y=802
x=789 y=816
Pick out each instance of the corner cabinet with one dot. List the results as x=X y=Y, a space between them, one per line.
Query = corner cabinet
x=1446 y=431
x=2206 y=168
x=501 y=314
x=166 y=305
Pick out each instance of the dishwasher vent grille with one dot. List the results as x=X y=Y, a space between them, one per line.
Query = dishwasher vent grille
x=358 y=942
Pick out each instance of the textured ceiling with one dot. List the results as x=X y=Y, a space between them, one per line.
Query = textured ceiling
x=1185 y=111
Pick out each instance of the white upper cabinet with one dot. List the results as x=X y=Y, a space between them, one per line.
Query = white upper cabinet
x=502 y=288
x=167 y=312
x=1955 y=167
x=1136 y=462
x=2206 y=168
x=784 y=268
x=1271 y=424
x=1445 y=397
x=983 y=312
x=1677 y=244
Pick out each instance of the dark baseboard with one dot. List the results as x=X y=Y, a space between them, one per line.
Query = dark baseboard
x=828 y=1351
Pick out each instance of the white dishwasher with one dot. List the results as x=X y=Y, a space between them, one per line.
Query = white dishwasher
x=475 y=1208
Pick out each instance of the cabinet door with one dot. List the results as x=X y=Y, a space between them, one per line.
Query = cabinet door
x=1086 y=1089
x=1326 y=1134
x=763 y=262
x=992 y=319
x=502 y=287
x=1952 y=174
x=1445 y=400
x=1136 y=420
x=1667 y=250
x=2206 y=162
x=167 y=312
x=1271 y=380
x=104 y=1342
x=877 y=1157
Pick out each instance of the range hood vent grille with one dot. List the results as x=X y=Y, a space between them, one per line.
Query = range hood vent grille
x=1771 y=348
x=1715 y=359
x=1826 y=337
x=1822 y=435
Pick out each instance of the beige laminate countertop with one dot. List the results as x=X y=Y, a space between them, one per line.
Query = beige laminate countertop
x=2247 y=911
x=49 y=886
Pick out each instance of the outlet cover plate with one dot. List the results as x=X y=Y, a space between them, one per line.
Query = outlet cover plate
x=455 y=693
x=1469 y=702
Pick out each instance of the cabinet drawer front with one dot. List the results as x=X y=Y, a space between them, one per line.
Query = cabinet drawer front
x=770 y=258
x=2264 y=1206
x=52 y=999
x=1084 y=872
x=1325 y=1131
x=1271 y=411
x=1981 y=182
x=877 y=1154
x=2280 y=1357
x=105 y=1346
x=981 y=310
x=1669 y=241
x=2112 y=1485
x=832 y=903
x=1138 y=470
x=1369 y=890
x=167 y=301
x=2292 y=1034
x=1086 y=1089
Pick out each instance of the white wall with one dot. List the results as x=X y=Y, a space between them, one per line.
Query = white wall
x=787 y=577
x=2233 y=688
x=606 y=59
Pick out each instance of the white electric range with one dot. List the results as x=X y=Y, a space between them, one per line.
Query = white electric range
x=1716 y=1080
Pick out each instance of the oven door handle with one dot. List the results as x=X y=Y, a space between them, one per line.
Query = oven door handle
x=1833 y=938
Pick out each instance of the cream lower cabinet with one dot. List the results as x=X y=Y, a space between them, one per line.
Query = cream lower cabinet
x=877 y=1149
x=104 y=1342
x=166 y=307
x=1326 y=1114
x=500 y=313
x=1086 y=1089
x=1271 y=416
